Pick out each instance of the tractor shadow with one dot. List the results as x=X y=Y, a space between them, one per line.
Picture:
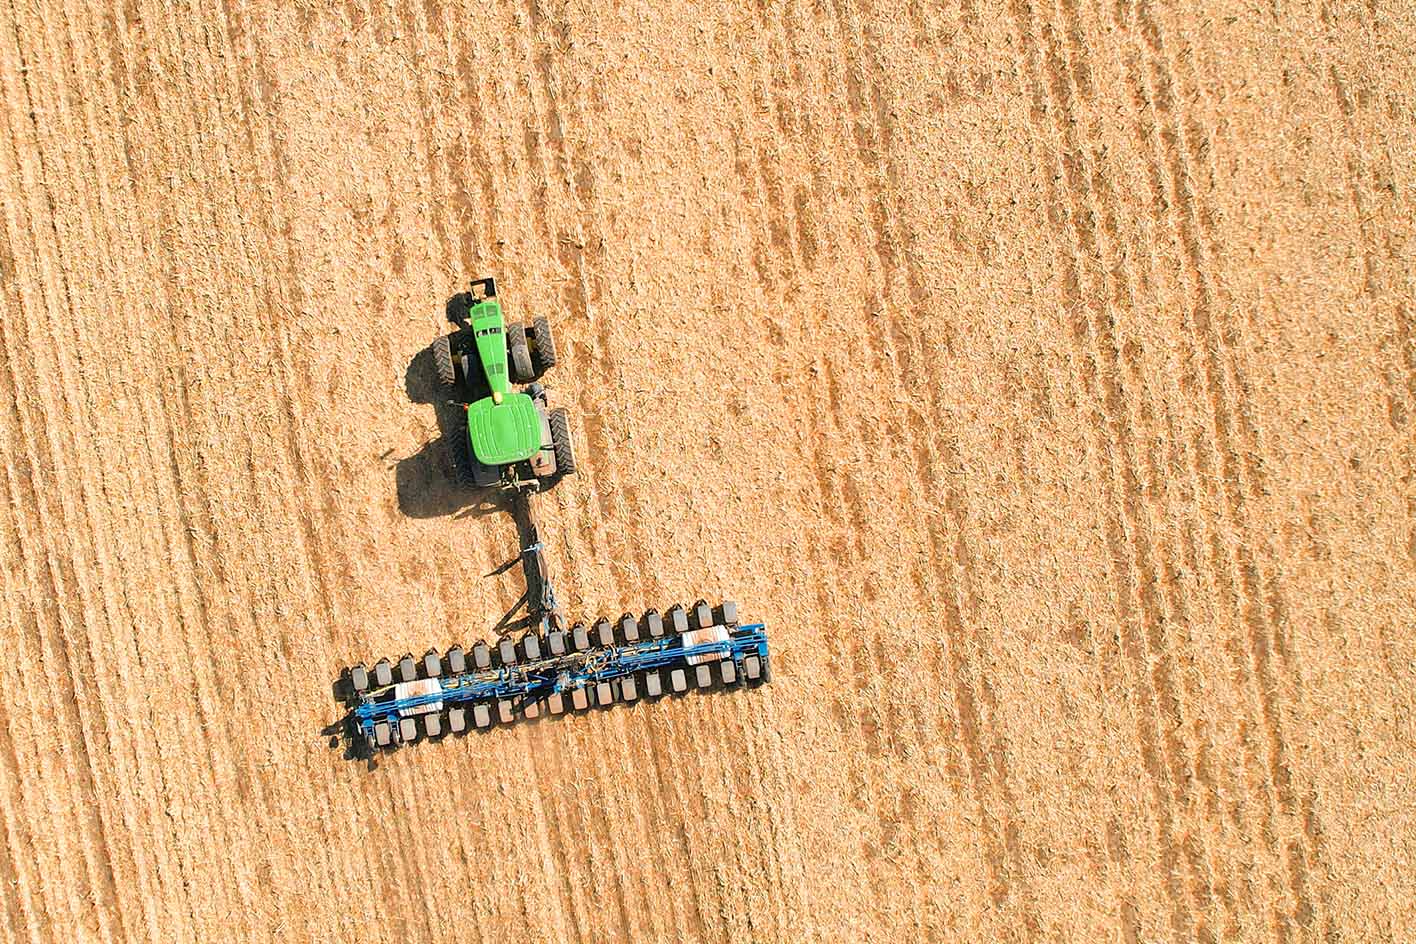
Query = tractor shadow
x=430 y=481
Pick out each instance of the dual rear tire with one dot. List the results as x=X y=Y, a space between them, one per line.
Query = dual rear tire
x=562 y=443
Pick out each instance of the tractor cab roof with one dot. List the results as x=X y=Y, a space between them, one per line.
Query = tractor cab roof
x=504 y=432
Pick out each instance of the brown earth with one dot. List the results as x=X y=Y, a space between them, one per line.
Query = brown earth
x=1043 y=374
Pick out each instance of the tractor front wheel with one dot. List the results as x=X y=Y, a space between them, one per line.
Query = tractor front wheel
x=442 y=360
x=543 y=350
x=563 y=444
x=521 y=369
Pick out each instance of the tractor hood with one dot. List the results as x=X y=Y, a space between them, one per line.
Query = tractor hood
x=505 y=432
x=489 y=328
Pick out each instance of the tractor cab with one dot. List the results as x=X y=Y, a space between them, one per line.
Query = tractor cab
x=504 y=428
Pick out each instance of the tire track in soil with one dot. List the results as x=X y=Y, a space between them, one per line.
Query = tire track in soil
x=104 y=550
x=1178 y=476
x=193 y=606
x=99 y=558
x=194 y=522
x=570 y=251
x=233 y=224
x=95 y=823
x=882 y=353
x=440 y=173
x=880 y=727
x=202 y=516
x=988 y=770
x=1093 y=334
x=688 y=801
x=20 y=838
x=416 y=35
x=469 y=841
x=28 y=462
x=877 y=728
x=411 y=842
x=826 y=476
x=15 y=894
x=1164 y=571
x=1381 y=294
x=1174 y=140
x=557 y=848
x=1188 y=489
x=252 y=72
x=626 y=806
x=50 y=579
x=164 y=866
x=868 y=722
x=580 y=904
x=48 y=908
x=1179 y=603
x=1203 y=468
x=271 y=209
x=464 y=89
x=1259 y=616
x=1107 y=848
x=797 y=121
x=557 y=844
x=575 y=810
x=614 y=720
x=462 y=162
x=898 y=348
x=248 y=71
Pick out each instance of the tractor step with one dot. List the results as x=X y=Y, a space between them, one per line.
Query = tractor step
x=610 y=662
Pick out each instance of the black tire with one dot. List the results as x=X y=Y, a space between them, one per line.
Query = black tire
x=483 y=475
x=442 y=361
x=459 y=453
x=543 y=351
x=561 y=441
x=519 y=354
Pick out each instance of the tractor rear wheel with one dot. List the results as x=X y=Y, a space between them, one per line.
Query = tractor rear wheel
x=483 y=475
x=543 y=351
x=459 y=453
x=442 y=360
x=521 y=369
x=563 y=444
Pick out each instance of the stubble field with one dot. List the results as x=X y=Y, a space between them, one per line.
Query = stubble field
x=1042 y=374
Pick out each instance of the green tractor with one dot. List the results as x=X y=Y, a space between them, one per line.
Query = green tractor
x=512 y=439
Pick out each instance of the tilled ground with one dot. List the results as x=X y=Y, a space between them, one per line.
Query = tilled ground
x=1044 y=376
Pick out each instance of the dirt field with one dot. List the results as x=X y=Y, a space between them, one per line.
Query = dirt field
x=1043 y=374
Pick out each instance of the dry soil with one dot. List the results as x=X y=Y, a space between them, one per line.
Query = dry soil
x=1042 y=373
